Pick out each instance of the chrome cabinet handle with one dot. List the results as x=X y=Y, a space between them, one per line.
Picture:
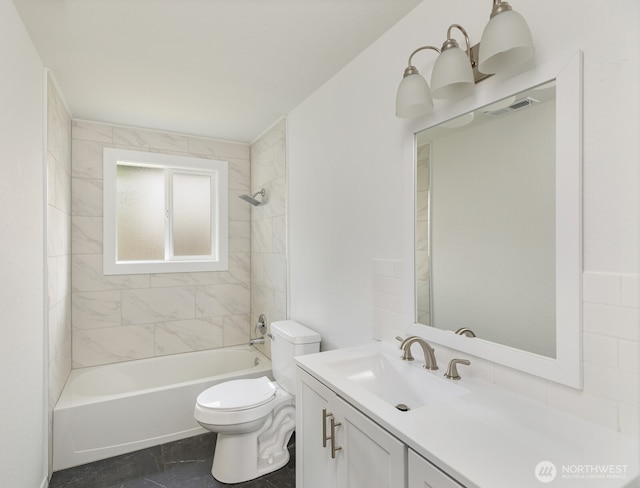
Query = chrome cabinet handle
x=325 y=415
x=334 y=424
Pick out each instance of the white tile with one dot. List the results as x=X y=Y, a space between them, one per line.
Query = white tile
x=239 y=175
x=275 y=270
x=601 y=288
x=583 y=404
x=188 y=335
x=87 y=159
x=629 y=356
x=239 y=268
x=51 y=179
x=227 y=299
x=383 y=267
x=630 y=290
x=94 y=310
x=92 y=131
x=599 y=349
x=279 y=234
x=392 y=286
x=261 y=236
x=216 y=149
x=522 y=383
x=150 y=139
x=398 y=268
x=239 y=236
x=112 y=345
x=629 y=420
x=612 y=321
x=154 y=305
x=86 y=235
x=62 y=189
x=239 y=210
x=236 y=329
x=58 y=232
x=86 y=197
x=165 y=280
x=612 y=383
x=86 y=275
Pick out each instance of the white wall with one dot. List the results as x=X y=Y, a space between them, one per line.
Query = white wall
x=22 y=369
x=346 y=197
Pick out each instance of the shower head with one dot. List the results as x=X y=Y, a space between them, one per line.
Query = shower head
x=252 y=200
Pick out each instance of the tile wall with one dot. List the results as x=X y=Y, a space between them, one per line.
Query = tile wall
x=422 y=233
x=125 y=317
x=269 y=228
x=611 y=349
x=58 y=242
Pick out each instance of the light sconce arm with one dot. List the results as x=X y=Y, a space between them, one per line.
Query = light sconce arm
x=411 y=69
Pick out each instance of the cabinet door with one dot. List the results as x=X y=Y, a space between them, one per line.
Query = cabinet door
x=369 y=457
x=423 y=474
x=314 y=466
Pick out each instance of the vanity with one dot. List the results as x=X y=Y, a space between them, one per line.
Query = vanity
x=493 y=264
x=464 y=433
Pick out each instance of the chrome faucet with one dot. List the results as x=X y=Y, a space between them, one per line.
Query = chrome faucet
x=259 y=340
x=429 y=356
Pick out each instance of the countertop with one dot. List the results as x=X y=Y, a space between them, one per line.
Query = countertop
x=490 y=437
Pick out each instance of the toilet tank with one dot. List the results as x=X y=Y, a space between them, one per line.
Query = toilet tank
x=290 y=339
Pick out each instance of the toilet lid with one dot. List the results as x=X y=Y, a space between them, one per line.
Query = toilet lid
x=238 y=394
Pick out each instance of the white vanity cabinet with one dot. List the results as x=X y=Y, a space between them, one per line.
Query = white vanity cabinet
x=423 y=474
x=359 y=454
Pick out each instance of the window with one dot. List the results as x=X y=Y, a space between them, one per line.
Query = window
x=163 y=213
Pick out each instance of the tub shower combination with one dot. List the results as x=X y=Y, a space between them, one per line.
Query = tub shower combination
x=114 y=409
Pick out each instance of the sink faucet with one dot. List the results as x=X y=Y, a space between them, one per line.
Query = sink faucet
x=429 y=356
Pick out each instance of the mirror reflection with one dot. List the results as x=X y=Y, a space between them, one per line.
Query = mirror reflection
x=485 y=223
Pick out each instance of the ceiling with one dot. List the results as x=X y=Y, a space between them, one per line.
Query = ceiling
x=219 y=68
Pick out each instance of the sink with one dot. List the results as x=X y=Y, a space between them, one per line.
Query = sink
x=395 y=381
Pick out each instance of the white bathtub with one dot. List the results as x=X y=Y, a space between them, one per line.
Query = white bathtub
x=113 y=409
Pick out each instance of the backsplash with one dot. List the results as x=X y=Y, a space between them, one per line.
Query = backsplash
x=125 y=317
x=611 y=348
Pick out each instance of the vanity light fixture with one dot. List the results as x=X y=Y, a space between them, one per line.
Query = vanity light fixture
x=506 y=43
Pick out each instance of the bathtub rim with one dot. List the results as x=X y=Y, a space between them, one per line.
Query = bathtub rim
x=67 y=399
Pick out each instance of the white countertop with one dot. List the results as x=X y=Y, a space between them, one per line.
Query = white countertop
x=491 y=437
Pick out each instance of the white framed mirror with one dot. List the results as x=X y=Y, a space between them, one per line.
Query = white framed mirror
x=496 y=236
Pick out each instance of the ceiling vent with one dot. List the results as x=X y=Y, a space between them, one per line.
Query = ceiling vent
x=517 y=105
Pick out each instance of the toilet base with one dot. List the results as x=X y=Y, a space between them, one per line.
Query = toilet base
x=243 y=457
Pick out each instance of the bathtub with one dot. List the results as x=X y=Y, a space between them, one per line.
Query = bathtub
x=108 y=410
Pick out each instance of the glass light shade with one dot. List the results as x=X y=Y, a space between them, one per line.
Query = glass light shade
x=452 y=75
x=413 y=98
x=506 y=42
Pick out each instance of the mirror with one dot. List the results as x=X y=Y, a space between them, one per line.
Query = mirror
x=485 y=222
x=496 y=233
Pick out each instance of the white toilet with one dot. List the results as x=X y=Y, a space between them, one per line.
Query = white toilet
x=254 y=418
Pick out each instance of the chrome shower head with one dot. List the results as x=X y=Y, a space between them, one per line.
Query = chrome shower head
x=252 y=200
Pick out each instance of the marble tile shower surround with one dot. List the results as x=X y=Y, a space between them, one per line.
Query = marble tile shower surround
x=58 y=243
x=119 y=318
x=611 y=348
x=268 y=229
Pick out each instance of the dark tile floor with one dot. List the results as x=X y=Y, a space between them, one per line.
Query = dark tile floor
x=181 y=464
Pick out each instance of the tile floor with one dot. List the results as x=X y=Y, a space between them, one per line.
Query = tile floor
x=181 y=464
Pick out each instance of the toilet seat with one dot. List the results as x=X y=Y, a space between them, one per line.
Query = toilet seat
x=255 y=399
x=238 y=394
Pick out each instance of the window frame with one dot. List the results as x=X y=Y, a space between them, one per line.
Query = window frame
x=216 y=169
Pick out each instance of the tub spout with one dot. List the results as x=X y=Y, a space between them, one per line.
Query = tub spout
x=253 y=342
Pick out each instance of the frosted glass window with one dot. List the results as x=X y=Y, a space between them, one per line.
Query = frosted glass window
x=191 y=214
x=140 y=213
x=164 y=213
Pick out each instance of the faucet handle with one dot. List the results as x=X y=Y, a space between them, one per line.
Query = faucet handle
x=452 y=370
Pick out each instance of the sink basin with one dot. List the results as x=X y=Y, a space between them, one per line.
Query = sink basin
x=395 y=381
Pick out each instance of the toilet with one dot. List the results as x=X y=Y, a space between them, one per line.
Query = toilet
x=254 y=418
